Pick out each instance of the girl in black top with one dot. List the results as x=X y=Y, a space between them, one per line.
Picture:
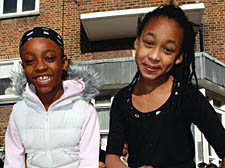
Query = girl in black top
x=154 y=113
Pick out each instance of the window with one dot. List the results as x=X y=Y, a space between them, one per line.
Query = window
x=6 y=69
x=103 y=104
x=9 y=6
x=5 y=82
x=17 y=8
x=217 y=103
x=103 y=115
x=28 y=5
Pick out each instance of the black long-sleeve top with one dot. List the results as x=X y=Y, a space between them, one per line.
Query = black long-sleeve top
x=163 y=138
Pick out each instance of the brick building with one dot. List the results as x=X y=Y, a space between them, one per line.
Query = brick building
x=101 y=33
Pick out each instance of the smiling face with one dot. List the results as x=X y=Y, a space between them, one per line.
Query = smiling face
x=43 y=65
x=158 y=48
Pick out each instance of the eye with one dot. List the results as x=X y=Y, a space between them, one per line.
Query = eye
x=148 y=43
x=50 y=58
x=169 y=50
x=28 y=61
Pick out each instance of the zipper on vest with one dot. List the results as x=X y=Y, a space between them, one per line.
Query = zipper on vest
x=46 y=116
x=47 y=138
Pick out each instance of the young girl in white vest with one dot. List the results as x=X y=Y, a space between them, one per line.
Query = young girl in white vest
x=54 y=125
x=155 y=112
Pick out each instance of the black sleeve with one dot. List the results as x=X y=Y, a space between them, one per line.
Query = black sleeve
x=116 y=135
x=205 y=118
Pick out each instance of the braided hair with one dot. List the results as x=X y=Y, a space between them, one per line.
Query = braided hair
x=185 y=71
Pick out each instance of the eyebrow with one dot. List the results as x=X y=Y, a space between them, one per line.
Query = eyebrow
x=43 y=52
x=171 y=41
x=28 y=52
x=153 y=35
x=48 y=50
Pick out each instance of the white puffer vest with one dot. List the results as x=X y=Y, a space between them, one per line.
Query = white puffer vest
x=51 y=139
x=43 y=133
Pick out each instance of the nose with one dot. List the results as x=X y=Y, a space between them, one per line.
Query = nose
x=154 y=55
x=40 y=66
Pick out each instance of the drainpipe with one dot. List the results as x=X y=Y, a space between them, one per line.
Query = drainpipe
x=202 y=38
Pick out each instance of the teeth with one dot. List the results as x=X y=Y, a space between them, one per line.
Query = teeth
x=43 y=78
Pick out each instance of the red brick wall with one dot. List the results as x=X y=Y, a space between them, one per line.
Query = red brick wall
x=214 y=21
x=4 y=117
x=51 y=15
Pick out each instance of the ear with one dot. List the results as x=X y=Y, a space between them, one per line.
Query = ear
x=179 y=59
x=65 y=62
x=22 y=64
x=136 y=43
x=22 y=61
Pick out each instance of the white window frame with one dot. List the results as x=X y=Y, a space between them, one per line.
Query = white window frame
x=12 y=65
x=103 y=105
x=220 y=110
x=199 y=137
x=19 y=12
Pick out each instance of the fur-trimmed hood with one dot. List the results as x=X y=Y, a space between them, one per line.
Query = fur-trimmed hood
x=85 y=73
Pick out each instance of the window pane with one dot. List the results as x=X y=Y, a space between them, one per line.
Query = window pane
x=210 y=150
x=103 y=115
x=28 y=5
x=102 y=99
x=217 y=103
x=200 y=150
x=10 y=6
x=4 y=86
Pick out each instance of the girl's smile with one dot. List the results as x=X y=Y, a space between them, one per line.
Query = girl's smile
x=44 y=80
x=150 y=68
